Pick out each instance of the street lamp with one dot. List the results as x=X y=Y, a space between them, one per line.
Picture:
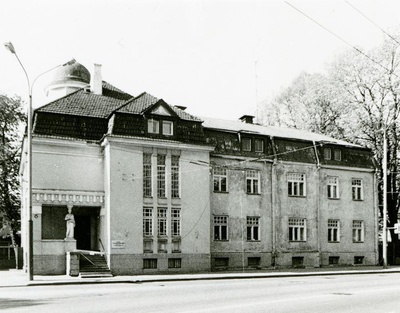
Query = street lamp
x=384 y=230
x=9 y=46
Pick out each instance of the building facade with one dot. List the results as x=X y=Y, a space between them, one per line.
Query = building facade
x=155 y=189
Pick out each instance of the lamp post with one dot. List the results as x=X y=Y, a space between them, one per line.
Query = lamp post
x=9 y=46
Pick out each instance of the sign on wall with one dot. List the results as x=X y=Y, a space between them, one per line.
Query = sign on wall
x=118 y=244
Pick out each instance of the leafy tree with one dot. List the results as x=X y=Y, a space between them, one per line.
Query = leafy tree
x=11 y=121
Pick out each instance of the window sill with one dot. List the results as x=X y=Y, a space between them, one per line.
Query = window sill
x=253 y=194
x=297 y=240
x=176 y=251
x=222 y=240
x=294 y=196
x=358 y=241
x=358 y=199
x=333 y=198
x=253 y=240
x=217 y=191
x=333 y=241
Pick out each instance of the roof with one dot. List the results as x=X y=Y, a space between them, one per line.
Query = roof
x=281 y=132
x=83 y=103
x=142 y=102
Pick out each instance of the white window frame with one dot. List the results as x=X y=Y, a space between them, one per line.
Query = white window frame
x=357 y=189
x=246 y=147
x=147 y=175
x=253 y=182
x=175 y=177
x=332 y=187
x=220 y=228
x=220 y=174
x=296 y=184
x=175 y=222
x=162 y=222
x=333 y=230
x=337 y=155
x=170 y=130
x=253 y=228
x=327 y=154
x=153 y=126
x=161 y=176
x=148 y=221
x=256 y=142
x=358 y=231
x=297 y=229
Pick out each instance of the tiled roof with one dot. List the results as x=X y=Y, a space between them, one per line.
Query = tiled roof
x=142 y=102
x=82 y=103
x=282 y=132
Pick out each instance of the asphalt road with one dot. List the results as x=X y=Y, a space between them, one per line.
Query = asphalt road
x=345 y=293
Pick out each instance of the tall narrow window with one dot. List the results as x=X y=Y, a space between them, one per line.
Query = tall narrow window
x=161 y=176
x=259 y=145
x=147 y=192
x=220 y=178
x=246 y=144
x=253 y=181
x=333 y=187
x=297 y=229
x=220 y=227
x=147 y=222
x=333 y=230
x=357 y=189
x=358 y=231
x=337 y=155
x=162 y=222
x=327 y=154
x=175 y=176
x=175 y=222
x=153 y=126
x=296 y=184
x=167 y=128
x=253 y=228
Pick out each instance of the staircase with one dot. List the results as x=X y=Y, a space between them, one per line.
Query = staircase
x=93 y=265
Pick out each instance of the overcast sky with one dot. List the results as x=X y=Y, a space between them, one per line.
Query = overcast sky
x=218 y=58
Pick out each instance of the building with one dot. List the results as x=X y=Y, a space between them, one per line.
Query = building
x=155 y=189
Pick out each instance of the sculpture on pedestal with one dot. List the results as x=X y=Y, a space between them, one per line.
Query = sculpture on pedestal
x=70 y=223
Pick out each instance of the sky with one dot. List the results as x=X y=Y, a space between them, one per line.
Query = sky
x=218 y=58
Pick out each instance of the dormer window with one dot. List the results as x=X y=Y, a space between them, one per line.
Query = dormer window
x=153 y=126
x=161 y=127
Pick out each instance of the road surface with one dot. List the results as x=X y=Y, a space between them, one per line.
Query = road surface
x=344 y=293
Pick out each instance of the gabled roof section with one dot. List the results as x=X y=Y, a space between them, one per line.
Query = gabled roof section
x=85 y=103
x=274 y=131
x=142 y=103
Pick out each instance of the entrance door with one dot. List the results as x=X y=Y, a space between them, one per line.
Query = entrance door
x=83 y=232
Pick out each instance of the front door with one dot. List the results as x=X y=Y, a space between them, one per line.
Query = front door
x=83 y=232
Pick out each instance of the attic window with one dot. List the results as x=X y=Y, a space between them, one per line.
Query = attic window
x=337 y=155
x=153 y=126
x=162 y=127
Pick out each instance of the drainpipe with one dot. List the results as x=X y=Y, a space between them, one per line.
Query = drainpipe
x=318 y=202
x=273 y=188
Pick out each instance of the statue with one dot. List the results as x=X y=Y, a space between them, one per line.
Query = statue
x=70 y=223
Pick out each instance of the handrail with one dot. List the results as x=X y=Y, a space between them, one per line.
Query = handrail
x=87 y=259
x=101 y=243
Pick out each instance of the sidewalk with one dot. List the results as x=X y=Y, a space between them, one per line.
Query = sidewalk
x=18 y=278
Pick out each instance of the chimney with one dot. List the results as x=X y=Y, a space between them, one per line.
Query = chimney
x=247 y=119
x=96 y=85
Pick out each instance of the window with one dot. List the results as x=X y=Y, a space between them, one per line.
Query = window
x=246 y=144
x=162 y=222
x=153 y=126
x=327 y=154
x=357 y=189
x=221 y=262
x=253 y=181
x=337 y=155
x=297 y=229
x=149 y=263
x=161 y=176
x=253 y=261
x=167 y=128
x=358 y=260
x=259 y=145
x=333 y=260
x=220 y=177
x=358 y=231
x=175 y=222
x=174 y=263
x=147 y=190
x=253 y=228
x=148 y=246
x=296 y=184
x=162 y=245
x=333 y=230
x=147 y=222
x=333 y=187
x=220 y=227
x=297 y=261
x=175 y=176
x=176 y=245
